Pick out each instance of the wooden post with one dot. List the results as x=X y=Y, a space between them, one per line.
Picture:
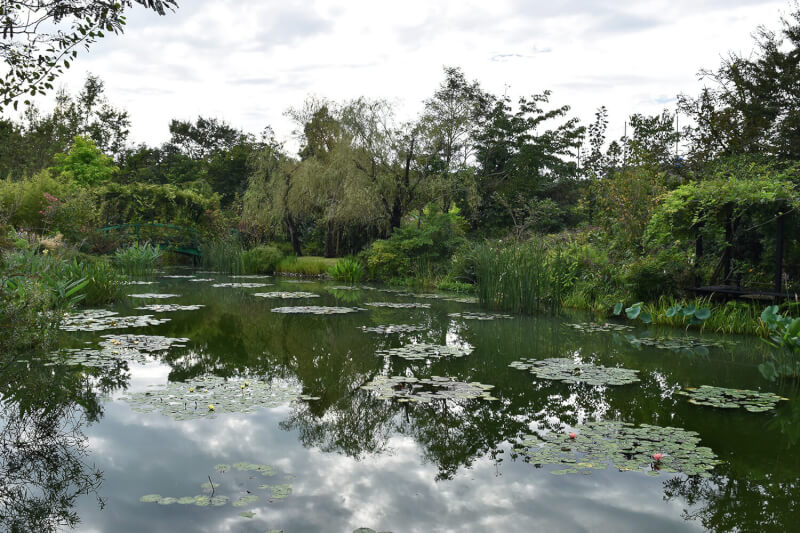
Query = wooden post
x=779 y=252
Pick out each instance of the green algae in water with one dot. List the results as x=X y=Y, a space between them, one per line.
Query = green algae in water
x=212 y=395
x=568 y=371
x=750 y=400
x=624 y=446
x=423 y=351
x=479 y=316
x=316 y=310
x=593 y=327
x=397 y=305
x=286 y=295
x=393 y=328
x=410 y=389
x=102 y=319
x=168 y=308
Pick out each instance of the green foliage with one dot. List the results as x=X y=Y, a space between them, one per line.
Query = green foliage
x=784 y=336
x=416 y=250
x=138 y=259
x=84 y=164
x=261 y=260
x=22 y=203
x=348 y=269
x=223 y=254
x=306 y=265
x=139 y=202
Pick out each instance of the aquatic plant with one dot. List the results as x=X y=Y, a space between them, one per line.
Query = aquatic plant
x=624 y=446
x=397 y=305
x=348 y=269
x=241 y=285
x=422 y=351
x=569 y=371
x=168 y=308
x=410 y=389
x=479 y=316
x=286 y=295
x=138 y=259
x=393 y=328
x=592 y=327
x=102 y=319
x=750 y=400
x=154 y=295
x=316 y=310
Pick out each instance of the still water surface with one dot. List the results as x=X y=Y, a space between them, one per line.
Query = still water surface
x=354 y=460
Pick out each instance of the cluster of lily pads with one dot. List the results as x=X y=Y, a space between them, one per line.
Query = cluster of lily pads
x=423 y=351
x=316 y=310
x=139 y=282
x=201 y=279
x=179 y=276
x=752 y=401
x=286 y=295
x=211 y=498
x=142 y=343
x=675 y=344
x=154 y=295
x=251 y=276
x=101 y=319
x=398 y=305
x=210 y=395
x=168 y=308
x=569 y=371
x=116 y=348
x=393 y=328
x=597 y=445
x=479 y=316
x=410 y=389
x=593 y=327
x=241 y=285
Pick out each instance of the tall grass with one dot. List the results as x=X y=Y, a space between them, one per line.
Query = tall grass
x=138 y=259
x=306 y=265
x=522 y=278
x=348 y=270
x=223 y=255
x=729 y=318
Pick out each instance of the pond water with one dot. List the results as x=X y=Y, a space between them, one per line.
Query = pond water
x=294 y=442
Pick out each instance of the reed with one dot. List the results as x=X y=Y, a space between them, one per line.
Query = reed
x=138 y=259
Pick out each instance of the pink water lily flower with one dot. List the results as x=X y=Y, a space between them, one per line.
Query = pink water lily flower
x=573 y=435
x=658 y=456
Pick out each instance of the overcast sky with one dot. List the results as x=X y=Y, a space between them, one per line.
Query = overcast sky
x=247 y=61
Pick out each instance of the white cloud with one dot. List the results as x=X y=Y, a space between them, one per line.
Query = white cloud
x=246 y=61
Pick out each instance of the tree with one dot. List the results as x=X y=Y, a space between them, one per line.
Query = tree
x=41 y=37
x=84 y=164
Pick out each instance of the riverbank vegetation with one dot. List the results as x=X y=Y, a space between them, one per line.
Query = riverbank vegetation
x=515 y=201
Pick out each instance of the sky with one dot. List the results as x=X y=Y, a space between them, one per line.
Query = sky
x=247 y=61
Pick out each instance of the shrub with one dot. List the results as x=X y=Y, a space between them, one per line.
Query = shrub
x=138 y=259
x=347 y=269
x=261 y=260
x=306 y=265
x=223 y=255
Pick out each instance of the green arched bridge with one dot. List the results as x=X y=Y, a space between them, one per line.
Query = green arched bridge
x=178 y=239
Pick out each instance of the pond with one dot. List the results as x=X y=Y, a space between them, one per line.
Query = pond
x=274 y=404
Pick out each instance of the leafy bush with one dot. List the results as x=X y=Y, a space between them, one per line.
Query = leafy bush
x=347 y=269
x=23 y=202
x=261 y=260
x=138 y=259
x=223 y=255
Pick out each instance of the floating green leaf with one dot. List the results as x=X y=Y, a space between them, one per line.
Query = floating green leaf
x=627 y=447
x=102 y=319
x=752 y=401
x=393 y=328
x=150 y=498
x=241 y=285
x=399 y=305
x=410 y=389
x=569 y=371
x=479 y=316
x=247 y=514
x=154 y=295
x=422 y=351
x=316 y=310
x=593 y=327
x=286 y=295
x=168 y=308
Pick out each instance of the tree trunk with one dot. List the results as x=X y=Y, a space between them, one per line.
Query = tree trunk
x=293 y=237
x=330 y=241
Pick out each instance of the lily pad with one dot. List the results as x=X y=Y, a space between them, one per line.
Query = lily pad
x=141 y=343
x=139 y=282
x=568 y=371
x=196 y=280
x=479 y=316
x=678 y=344
x=150 y=498
x=393 y=328
x=316 y=310
x=179 y=276
x=597 y=445
x=102 y=319
x=154 y=295
x=212 y=395
x=410 y=389
x=251 y=276
x=286 y=295
x=593 y=327
x=422 y=351
x=241 y=285
x=247 y=514
x=398 y=305
x=752 y=401
x=168 y=308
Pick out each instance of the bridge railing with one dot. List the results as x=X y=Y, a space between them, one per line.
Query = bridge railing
x=169 y=236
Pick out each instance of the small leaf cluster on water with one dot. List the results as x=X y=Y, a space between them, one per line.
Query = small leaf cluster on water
x=393 y=328
x=676 y=344
x=568 y=371
x=251 y=276
x=136 y=348
x=179 y=276
x=154 y=295
x=201 y=279
x=286 y=295
x=211 y=498
x=479 y=316
x=398 y=305
x=753 y=401
x=101 y=319
x=139 y=282
x=207 y=396
x=593 y=327
x=409 y=389
x=316 y=310
x=241 y=285
x=142 y=343
x=443 y=297
x=423 y=351
x=622 y=445
x=168 y=308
